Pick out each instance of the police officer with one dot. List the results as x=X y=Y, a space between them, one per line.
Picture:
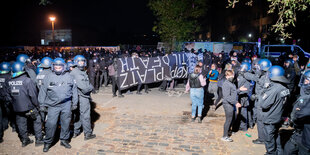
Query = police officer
x=261 y=78
x=25 y=104
x=272 y=99
x=59 y=94
x=70 y=66
x=46 y=63
x=5 y=98
x=296 y=143
x=45 y=66
x=29 y=70
x=82 y=117
x=243 y=96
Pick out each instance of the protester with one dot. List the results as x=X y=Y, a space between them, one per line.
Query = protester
x=195 y=85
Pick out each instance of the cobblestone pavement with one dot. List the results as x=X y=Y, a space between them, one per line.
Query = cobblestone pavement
x=151 y=123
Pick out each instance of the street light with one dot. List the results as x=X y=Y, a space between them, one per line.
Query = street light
x=223 y=38
x=52 y=19
x=250 y=35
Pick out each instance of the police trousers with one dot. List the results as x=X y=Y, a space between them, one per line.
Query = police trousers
x=62 y=111
x=291 y=146
x=272 y=141
x=82 y=117
x=21 y=122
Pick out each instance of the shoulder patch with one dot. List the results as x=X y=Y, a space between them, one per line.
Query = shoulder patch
x=285 y=93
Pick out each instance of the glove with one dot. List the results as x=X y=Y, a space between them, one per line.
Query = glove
x=43 y=108
x=73 y=107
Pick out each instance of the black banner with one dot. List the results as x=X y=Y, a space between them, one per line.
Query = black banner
x=133 y=71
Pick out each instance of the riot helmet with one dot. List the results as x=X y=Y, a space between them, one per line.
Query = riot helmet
x=276 y=73
x=59 y=66
x=5 y=68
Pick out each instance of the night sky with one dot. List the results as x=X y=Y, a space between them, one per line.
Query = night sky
x=93 y=22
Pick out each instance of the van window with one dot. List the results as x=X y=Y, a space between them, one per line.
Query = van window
x=281 y=49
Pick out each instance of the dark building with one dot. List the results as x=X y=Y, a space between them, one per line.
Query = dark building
x=242 y=23
x=62 y=37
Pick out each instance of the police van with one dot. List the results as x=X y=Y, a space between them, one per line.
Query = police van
x=276 y=52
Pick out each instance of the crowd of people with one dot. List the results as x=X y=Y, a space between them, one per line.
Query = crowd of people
x=253 y=91
x=47 y=86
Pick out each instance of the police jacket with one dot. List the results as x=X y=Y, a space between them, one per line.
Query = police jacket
x=4 y=87
x=302 y=117
x=31 y=74
x=272 y=103
x=82 y=82
x=24 y=93
x=58 y=89
x=260 y=80
x=229 y=93
x=243 y=95
x=41 y=76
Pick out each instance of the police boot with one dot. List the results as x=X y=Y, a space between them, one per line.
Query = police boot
x=89 y=136
x=39 y=142
x=26 y=142
x=46 y=147
x=257 y=141
x=65 y=144
x=75 y=135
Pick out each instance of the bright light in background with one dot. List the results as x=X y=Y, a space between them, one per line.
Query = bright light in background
x=223 y=38
x=62 y=40
x=250 y=35
x=42 y=41
x=52 y=19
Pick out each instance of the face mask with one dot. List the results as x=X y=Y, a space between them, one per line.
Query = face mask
x=230 y=79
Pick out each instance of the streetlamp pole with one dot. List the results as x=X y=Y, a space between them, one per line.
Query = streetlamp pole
x=53 y=33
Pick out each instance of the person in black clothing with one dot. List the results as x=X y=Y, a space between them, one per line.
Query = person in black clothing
x=299 y=142
x=5 y=98
x=103 y=72
x=93 y=72
x=25 y=103
x=272 y=99
x=230 y=102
